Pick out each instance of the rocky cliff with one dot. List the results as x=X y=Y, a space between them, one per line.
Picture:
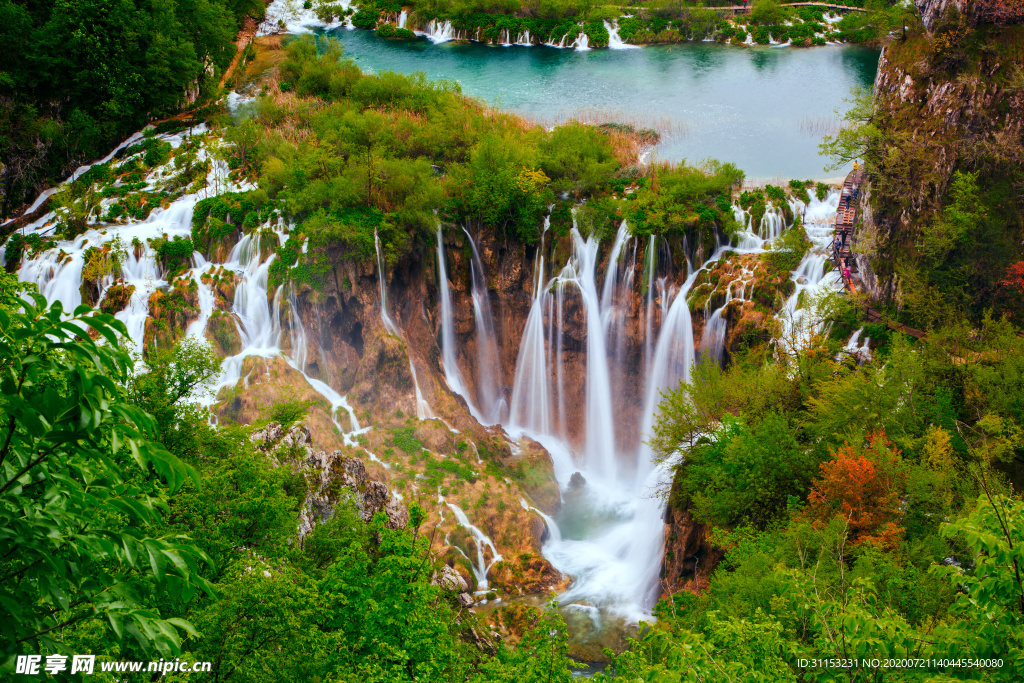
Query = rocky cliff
x=948 y=98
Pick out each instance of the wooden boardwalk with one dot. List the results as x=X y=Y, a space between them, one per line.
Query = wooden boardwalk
x=842 y=253
x=746 y=8
x=846 y=218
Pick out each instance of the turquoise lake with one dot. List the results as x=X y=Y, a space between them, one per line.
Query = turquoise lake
x=764 y=109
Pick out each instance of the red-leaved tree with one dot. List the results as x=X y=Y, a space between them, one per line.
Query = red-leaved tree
x=865 y=489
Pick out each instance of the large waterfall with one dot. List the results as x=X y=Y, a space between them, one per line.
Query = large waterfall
x=610 y=531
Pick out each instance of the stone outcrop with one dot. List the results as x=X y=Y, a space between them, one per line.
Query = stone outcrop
x=689 y=558
x=932 y=10
x=329 y=476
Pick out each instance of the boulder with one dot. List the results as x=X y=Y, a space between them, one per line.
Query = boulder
x=450 y=580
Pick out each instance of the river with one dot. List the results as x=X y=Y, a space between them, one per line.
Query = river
x=764 y=109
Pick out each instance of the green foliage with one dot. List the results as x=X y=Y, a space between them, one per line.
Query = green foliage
x=82 y=488
x=405 y=439
x=175 y=255
x=680 y=199
x=745 y=474
x=787 y=250
x=217 y=218
x=288 y=412
x=857 y=134
x=80 y=75
x=507 y=191
x=768 y=13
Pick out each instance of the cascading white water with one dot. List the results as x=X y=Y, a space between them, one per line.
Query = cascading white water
x=615 y=42
x=423 y=410
x=615 y=563
x=389 y=324
x=811 y=277
x=530 y=409
x=490 y=399
x=582 y=42
x=481 y=566
x=452 y=374
x=402 y=18
x=439 y=33
x=599 y=425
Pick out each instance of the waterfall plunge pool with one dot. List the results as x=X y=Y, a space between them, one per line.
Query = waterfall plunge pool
x=764 y=109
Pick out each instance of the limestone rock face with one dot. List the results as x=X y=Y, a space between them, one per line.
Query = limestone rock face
x=689 y=559
x=450 y=580
x=931 y=10
x=941 y=110
x=329 y=477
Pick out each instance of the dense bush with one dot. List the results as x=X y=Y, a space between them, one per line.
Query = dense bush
x=80 y=75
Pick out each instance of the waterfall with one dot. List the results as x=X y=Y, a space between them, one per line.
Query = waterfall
x=439 y=33
x=297 y=360
x=489 y=391
x=423 y=410
x=712 y=343
x=614 y=41
x=448 y=354
x=613 y=315
x=600 y=426
x=810 y=276
x=402 y=17
x=480 y=567
x=389 y=325
x=530 y=407
x=554 y=533
x=650 y=265
x=582 y=42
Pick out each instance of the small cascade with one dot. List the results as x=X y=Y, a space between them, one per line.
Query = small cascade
x=480 y=567
x=297 y=360
x=860 y=351
x=439 y=33
x=402 y=18
x=524 y=38
x=423 y=410
x=811 y=277
x=197 y=329
x=389 y=324
x=490 y=398
x=554 y=533
x=712 y=343
x=452 y=374
x=614 y=41
x=582 y=42
x=772 y=224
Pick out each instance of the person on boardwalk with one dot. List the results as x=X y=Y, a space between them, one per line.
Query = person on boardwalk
x=846 y=274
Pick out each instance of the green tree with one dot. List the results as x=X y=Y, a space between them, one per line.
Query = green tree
x=75 y=525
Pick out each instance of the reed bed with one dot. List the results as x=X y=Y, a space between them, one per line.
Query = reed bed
x=817 y=126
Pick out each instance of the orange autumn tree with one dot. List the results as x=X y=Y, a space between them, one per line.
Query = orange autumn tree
x=865 y=489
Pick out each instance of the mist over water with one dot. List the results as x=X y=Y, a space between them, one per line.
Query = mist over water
x=762 y=108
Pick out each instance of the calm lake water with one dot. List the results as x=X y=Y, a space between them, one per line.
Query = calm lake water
x=764 y=109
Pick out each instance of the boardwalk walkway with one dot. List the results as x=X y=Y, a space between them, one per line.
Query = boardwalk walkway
x=746 y=8
x=846 y=218
x=842 y=244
